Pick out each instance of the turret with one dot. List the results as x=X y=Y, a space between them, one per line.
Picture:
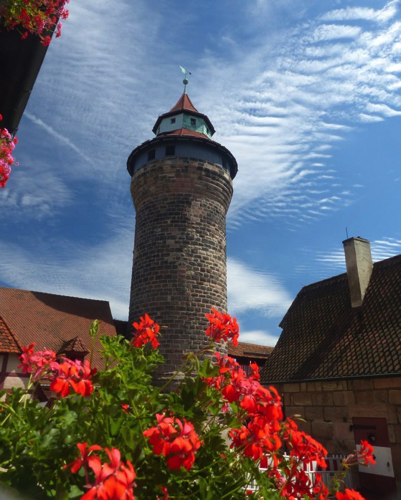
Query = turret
x=181 y=188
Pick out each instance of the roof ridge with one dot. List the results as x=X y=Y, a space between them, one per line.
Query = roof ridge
x=379 y=263
x=53 y=294
x=253 y=344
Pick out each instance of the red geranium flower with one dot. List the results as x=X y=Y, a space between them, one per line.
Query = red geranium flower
x=113 y=480
x=222 y=327
x=146 y=331
x=349 y=495
x=176 y=440
x=73 y=374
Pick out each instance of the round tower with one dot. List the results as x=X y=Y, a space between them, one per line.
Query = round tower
x=181 y=188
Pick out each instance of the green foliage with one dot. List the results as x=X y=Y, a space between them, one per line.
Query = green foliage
x=38 y=443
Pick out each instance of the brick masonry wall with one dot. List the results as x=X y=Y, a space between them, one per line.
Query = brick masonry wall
x=179 y=268
x=328 y=408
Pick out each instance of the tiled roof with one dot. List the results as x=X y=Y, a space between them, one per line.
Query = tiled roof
x=324 y=337
x=121 y=327
x=74 y=345
x=8 y=343
x=51 y=320
x=185 y=131
x=184 y=102
x=244 y=349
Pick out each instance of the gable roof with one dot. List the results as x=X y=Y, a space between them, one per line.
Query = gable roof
x=8 y=342
x=54 y=321
x=247 y=350
x=325 y=338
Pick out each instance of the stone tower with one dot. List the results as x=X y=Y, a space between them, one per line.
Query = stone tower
x=181 y=187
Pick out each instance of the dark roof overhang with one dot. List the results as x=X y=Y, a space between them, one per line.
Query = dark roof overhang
x=20 y=63
x=177 y=138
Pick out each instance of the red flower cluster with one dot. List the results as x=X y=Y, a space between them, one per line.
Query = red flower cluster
x=176 y=440
x=222 y=327
x=304 y=451
x=113 y=480
x=264 y=434
x=146 y=331
x=236 y=386
x=73 y=374
x=349 y=495
x=7 y=145
x=39 y=364
x=34 y=16
x=363 y=456
x=63 y=375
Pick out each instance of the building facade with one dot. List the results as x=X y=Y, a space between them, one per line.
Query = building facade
x=337 y=363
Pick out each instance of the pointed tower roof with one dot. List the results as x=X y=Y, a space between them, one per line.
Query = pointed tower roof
x=182 y=132
x=184 y=103
x=185 y=107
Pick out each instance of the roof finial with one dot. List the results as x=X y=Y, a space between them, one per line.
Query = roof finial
x=185 y=81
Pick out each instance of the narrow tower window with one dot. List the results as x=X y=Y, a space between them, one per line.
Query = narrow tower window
x=172 y=120
x=151 y=154
x=193 y=122
x=170 y=150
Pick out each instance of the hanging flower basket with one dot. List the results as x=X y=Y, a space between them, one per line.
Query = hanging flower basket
x=38 y=17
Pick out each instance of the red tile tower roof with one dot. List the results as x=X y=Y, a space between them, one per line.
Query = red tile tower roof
x=52 y=320
x=184 y=103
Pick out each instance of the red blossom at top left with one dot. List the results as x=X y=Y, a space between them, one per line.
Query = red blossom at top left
x=37 y=17
x=7 y=145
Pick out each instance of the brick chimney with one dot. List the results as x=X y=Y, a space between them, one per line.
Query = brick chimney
x=359 y=263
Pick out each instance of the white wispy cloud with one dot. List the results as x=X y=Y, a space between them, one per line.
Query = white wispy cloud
x=260 y=337
x=101 y=271
x=363 y=13
x=383 y=248
x=252 y=290
x=370 y=118
x=277 y=116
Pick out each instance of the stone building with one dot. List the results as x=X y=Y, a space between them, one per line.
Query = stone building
x=181 y=187
x=338 y=363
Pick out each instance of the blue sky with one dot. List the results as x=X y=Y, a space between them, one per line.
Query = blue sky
x=306 y=95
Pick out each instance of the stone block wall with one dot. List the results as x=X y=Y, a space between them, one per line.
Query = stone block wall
x=328 y=408
x=179 y=268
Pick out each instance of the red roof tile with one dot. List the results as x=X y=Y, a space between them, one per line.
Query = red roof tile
x=324 y=337
x=52 y=320
x=8 y=343
x=244 y=349
x=74 y=345
x=185 y=131
x=184 y=102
